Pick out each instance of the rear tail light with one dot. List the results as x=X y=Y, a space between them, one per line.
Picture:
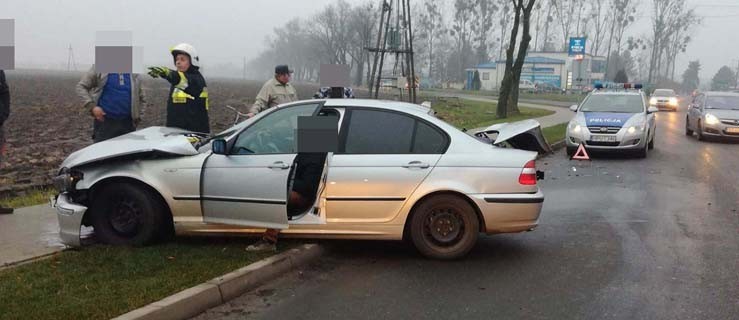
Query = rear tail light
x=528 y=174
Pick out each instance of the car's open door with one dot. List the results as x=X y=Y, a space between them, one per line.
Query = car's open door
x=525 y=135
x=248 y=185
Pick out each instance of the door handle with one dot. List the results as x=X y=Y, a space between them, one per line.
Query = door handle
x=278 y=165
x=416 y=164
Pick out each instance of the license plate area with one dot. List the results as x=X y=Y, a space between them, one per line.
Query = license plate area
x=603 y=138
x=732 y=130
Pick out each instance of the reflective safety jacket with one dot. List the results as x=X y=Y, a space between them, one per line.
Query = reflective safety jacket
x=187 y=106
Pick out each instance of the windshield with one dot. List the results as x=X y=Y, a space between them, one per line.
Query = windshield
x=619 y=103
x=663 y=93
x=722 y=102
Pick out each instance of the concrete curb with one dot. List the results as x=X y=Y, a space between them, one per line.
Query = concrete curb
x=191 y=302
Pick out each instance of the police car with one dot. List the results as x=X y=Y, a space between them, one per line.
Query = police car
x=613 y=118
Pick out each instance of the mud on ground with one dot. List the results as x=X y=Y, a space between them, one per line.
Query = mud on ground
x=48 y=122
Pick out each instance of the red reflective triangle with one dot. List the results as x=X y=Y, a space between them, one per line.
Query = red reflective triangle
x=581 y=154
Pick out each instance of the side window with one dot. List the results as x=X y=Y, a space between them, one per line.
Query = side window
x=379 y=132
x=274 y=133
x=428 y=140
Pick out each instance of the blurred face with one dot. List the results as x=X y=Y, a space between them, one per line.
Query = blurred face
x=283 y=78
x=182 y=62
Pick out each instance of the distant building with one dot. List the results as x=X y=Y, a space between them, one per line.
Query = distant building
x=555 y=68
x=488 y=76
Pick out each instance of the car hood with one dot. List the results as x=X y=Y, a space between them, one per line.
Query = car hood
x=525 y=135
x=161 y=140
x=724 y=114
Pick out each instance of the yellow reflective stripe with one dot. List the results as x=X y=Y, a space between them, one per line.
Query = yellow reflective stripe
x=204 y=95
x=179 y=96
x=183 y=81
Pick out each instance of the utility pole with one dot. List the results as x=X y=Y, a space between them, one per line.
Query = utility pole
x=70 y=59
x=736 y=76
x=244 y=72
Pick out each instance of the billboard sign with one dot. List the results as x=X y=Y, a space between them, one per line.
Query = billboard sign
x=577 y=46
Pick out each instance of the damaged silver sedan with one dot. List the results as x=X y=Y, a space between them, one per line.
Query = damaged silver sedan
x=398 y=173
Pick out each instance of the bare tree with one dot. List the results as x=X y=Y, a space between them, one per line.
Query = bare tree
x=508 y=96
x=504 y=23
x=563 y=11
x=669 y=18
x=600 y=21
x=461 y=30
x=484 y=13
x=430 y=28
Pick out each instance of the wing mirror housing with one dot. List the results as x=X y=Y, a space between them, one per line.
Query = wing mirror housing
x=652 y=110
x=573 y=108
x=219 y=146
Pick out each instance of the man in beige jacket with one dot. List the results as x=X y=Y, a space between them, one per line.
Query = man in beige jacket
x=275 y=91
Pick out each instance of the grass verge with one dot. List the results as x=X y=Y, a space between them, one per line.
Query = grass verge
x=471 y=114
x=28 y=198
x=555 y=133
x=101 y=282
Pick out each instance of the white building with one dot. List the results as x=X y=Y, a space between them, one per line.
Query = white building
x=555 y=68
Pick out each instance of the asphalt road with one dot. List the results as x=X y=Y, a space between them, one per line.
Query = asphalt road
x=620 y=238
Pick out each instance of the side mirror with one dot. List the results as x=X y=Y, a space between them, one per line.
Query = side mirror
x=573 y=108
x=219 y=146
x=652 y=110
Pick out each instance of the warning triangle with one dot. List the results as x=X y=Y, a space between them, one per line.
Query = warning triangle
x=581 y=154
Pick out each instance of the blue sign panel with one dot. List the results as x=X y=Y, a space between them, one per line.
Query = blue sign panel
x=577 y=46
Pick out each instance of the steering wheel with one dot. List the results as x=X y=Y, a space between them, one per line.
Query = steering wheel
x=264 y=142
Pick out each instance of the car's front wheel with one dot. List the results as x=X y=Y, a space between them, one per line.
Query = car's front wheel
x=444 y=227
x=126 y=214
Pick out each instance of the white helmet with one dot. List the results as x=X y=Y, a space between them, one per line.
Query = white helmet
x=189 y=50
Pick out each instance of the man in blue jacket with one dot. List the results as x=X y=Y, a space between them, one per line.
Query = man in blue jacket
x=115 y=100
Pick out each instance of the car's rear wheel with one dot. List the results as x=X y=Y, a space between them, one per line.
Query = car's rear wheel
x=688 y=132
x=126 y=214
x=444 y=227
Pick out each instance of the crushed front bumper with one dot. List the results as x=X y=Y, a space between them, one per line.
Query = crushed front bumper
x=70 y=219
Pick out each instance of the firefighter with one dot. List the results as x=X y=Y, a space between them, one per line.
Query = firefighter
x=187 y=105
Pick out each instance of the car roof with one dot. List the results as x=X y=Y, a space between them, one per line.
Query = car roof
x=379 y=104
x=616 y=92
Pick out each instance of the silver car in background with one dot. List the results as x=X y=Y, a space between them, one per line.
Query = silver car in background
x=399 y=173
x=713 y=114
x=664 y=99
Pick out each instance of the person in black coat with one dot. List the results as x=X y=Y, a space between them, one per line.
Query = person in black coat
x=4 y=114
x=187 y=105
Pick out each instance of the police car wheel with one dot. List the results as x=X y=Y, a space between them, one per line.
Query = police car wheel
x=688 y=132
x=571 y=152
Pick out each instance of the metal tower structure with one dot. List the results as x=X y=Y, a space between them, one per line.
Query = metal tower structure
x=395 y=39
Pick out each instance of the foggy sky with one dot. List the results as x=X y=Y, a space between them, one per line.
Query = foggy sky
x=225 y=31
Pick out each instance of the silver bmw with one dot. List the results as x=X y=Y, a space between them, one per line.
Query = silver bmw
x=398 y=173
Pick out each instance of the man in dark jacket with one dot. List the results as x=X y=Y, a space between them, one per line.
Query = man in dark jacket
x=187 y=105
x=4 y=113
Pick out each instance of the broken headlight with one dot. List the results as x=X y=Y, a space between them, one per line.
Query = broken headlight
x=66 y=180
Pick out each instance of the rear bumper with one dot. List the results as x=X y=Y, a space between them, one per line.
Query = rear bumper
x=508 y=213
x=70 y=219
